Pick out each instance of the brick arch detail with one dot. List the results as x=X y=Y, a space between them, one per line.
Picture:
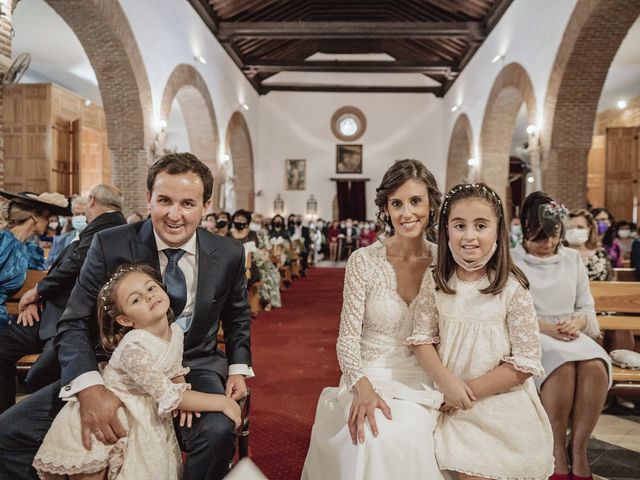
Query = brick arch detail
x=106 y=36
x=573 y=92
x=511 y=88
x=460 y=146
x=189 y=88
x=238 y=144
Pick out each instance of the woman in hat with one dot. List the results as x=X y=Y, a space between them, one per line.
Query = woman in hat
x=22 y=216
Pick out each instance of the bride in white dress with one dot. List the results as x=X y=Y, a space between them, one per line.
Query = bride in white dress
x=379 y=422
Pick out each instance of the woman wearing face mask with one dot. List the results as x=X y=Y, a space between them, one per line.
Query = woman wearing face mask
x=240 y=231
x=269 y=274
x=607 y=235
x=624 y=237
x=581 y=236
x=278 y=228
x=223 y=224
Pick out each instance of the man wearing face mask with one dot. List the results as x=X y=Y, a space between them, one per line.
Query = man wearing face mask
x=41 y=306
x=75 y=225
x=297 y=230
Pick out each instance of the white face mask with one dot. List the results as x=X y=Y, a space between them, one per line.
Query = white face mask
x=254 y=227
x=476 y=264
x=576 y=236
x=624 y=233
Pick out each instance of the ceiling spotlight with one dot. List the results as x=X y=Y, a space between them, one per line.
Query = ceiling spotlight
x=472 y=162
x=530 y=179
x=497 y=58
x=87 y=103
x=621 y=104
x=162 y=124
x=455 y=108
x=201 y=59
x=532 y=130
x=245 y=106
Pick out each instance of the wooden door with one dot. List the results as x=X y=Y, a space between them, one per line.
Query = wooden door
x=92 y=156
x=622 y=172
x=61 y=158
x=596 y=172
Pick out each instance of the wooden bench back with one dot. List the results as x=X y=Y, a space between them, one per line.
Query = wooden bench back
x=625 y=274
x=621 y=297
x=33 y=277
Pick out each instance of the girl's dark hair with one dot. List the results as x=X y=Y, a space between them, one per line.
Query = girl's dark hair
x=532 y=228
x=278 y=216
x=500 y=265
x=597 y=211
x=399 y=173
x=111 y=332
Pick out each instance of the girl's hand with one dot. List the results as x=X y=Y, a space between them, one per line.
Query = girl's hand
x=186 y=416
x=456 y=392
x=232 y=410
x=364 y=404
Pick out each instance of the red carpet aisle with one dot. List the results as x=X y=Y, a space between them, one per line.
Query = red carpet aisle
x=294 y=357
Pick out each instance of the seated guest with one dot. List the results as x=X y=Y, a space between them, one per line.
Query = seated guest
x=578 y=369
x=240 y=231
x=223 y=224
x=135 y=217
x=299 y=232
x=367 y=235
x=34 y=331
x=623 y=234
x=20 y=218
x=54 y=228
x=607 y=235
x=209 y=222
x=75 y=226
x=269 y=274
x=333 y=234
x=349 y=235
x=581 y=236
x=277 y=229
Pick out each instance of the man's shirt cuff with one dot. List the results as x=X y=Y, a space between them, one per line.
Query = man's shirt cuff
x=88 y=379
x=241 y=369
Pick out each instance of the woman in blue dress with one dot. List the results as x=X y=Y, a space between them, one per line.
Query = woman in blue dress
x=22 y=216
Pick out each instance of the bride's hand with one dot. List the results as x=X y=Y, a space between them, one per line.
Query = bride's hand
x=455 y=391
x=365 y=402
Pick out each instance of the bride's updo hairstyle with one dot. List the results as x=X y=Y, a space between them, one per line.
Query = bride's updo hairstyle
x=394 y=178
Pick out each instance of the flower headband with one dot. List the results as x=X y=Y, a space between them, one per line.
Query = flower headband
x=470 y=186
x=554 y=209
x=116 y=275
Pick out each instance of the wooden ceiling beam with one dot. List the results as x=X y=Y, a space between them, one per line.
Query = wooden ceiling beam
x=301 y=87
x=346 y=30
x=264 y=65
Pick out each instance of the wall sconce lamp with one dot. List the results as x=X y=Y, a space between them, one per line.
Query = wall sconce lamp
x=278 y=205
x=312 y=206
x=155 y=149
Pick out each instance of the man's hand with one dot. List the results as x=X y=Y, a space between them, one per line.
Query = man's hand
x=236 y=387
x=29 y=297
x=99 y=415
x=29 y=316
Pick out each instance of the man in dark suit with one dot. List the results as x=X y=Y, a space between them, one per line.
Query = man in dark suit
x=211 y=289
x=34 y=331
x=297 y=230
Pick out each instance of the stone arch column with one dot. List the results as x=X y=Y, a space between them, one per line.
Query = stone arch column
x=460 y=146
x=511 y=88
x=104 y=32
x=187 y=86
x=590 y=42
x=238 y=145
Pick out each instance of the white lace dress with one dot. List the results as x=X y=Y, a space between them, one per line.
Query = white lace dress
x=139 y=373
x=504 y=436
x=374 y=324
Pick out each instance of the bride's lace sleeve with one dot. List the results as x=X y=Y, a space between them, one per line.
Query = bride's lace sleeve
x=354 y=295
x=425 y=318
x=524 y=333
x=139 y=365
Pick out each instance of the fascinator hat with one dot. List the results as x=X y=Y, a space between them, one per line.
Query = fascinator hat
x=55 y=203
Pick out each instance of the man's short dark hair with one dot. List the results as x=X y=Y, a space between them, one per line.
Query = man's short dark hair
x=176 y=163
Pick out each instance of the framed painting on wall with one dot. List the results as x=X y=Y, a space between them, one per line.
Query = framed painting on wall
x=348 y=158
x=295 y=174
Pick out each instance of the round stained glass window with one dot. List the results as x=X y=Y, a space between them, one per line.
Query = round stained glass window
x=348 y=123
x=348 y=126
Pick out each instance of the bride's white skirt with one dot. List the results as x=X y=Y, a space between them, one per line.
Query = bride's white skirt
x=403 y=448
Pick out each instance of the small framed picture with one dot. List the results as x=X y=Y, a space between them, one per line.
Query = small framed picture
x=295 y=174
x=348 y=158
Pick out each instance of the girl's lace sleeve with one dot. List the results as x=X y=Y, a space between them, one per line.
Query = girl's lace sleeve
x=425 y=318
x=524 y=333
x=140 y=366
x=354 y=295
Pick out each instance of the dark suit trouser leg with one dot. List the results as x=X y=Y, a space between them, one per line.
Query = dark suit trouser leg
x=22 y=429
x=209 y=442
x=15 y=341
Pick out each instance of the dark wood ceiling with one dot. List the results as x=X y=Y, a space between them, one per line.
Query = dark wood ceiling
x=436 y=38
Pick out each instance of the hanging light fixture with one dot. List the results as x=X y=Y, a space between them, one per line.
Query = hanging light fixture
x=312 y=206
x=278 y=205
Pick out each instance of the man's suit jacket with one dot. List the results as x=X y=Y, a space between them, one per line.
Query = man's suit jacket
x=59 y=243
x=221 y=296
x=56 y=287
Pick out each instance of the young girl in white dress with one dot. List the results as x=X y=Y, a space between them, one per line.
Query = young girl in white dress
x=378 y=424
x=483 y=321
x=145 y=371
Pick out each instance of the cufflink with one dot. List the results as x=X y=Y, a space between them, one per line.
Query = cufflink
x=67 y=388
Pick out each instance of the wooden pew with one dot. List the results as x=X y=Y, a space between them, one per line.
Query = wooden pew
x=612 y=299
x=625 y=274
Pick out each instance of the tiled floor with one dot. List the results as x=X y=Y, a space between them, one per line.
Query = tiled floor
x=614 y=449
